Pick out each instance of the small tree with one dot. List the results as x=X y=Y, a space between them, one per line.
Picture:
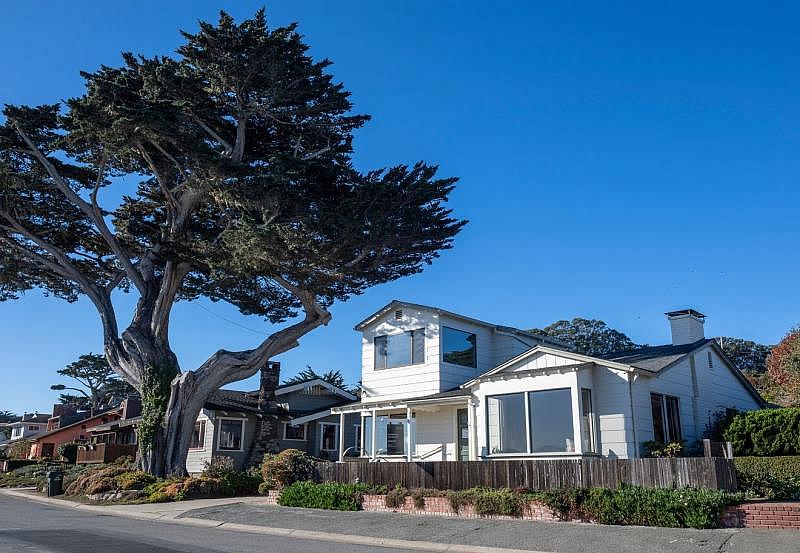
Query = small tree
x=589 y=336
x=5 y=418
x=100 y=385
x=334 y=377
x=247 y=193
x=783 y=370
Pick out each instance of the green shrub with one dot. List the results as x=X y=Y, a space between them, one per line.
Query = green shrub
x=418 y=496
x=68 y=452
x=134 y=480
x=200 y=488
x=287 y=467
x=218 y=467
x=768 y=432
x=396 y=497
x=770 y=477
x=241 y=483
x=329 y=495
x=634 y=505
x=264 y=488
x=499 y=502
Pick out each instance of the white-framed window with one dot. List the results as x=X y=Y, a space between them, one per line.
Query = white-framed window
x=587 y=421
x=198 y=439
x=357 y=428
x=710 y=360
x=231 y=434
x=459 y=347
x=33 y=427
x=329 y=436
x=400 y=350
x=294 y=432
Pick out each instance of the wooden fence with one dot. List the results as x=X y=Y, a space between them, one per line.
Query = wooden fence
x=103 y=453
x=699 y=472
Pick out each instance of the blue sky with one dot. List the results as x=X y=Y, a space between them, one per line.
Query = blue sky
x=616 y=161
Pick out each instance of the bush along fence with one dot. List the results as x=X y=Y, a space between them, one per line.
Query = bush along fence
x=694 y=472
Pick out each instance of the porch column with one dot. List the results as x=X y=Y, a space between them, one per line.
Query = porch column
x=341 y=437
x=472 y=442
x=408 y=434
x=374 y=431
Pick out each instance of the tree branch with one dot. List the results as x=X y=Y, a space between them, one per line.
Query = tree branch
x=213 y=134
x=84 y=206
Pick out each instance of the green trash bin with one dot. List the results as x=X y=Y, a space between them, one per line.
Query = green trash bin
x=55 y=482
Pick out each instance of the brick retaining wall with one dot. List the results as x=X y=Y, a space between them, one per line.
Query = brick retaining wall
x=762 y=514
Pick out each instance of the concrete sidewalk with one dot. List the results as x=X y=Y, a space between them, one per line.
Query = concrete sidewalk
x=440 y=534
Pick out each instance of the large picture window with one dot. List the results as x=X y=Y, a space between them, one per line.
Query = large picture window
x=400 y=350
x=666 y=418
x=551 y=426
x=459 y=347
x=231 y=434
x=506 y=418
x=198 y=439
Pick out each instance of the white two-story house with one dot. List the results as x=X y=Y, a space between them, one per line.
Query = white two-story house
x=441 y=386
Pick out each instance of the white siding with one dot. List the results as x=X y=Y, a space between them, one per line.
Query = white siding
x=436 y=430
x=612 y=405
x=717 y=389
x=196 y=459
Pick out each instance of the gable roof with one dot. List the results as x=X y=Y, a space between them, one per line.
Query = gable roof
x=398 y=304
x=109 y=411
x=289 y=388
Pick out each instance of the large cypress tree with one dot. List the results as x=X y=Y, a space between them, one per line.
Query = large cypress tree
x=234 y=158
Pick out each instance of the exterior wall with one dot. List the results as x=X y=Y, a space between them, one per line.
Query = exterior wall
x=612 y=406
x=433 y=375
x=196 y=459
x=401 y=382
x=436 y=434
x=717 y=388
x=239 y=457
x=300 y=400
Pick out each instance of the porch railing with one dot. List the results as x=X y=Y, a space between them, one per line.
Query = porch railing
x=700 y=472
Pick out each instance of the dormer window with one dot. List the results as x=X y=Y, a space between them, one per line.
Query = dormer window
x=459 y=347
x=400 y=350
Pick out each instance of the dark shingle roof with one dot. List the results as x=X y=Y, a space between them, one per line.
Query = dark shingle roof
x=233 y=400
x=454 y=392
x=654 y=358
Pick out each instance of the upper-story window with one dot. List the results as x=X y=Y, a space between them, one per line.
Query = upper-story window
x=399 y=350
x=459 y=347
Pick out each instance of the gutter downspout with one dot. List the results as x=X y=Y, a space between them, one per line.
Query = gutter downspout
x=631 y=376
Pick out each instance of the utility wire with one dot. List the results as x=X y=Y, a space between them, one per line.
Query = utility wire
x=227 y=320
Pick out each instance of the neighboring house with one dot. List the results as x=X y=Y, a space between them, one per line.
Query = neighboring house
x=441 y=386
x=227 y=425
x=65 y=428
x=29 y=426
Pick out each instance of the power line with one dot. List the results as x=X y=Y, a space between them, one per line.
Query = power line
x=227 y=320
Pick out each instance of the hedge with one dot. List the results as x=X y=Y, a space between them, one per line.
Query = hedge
x=767 y=432
x=330 y=495
x=770 y=477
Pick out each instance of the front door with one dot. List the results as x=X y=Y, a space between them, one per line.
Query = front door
x=462 y=429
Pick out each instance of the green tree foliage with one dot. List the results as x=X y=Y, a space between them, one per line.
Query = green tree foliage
x=7 y=417
x=589 y=336
x=783 y=371
x=100 y=385
x=242 y=147
x=748 y=356
x=334 y=377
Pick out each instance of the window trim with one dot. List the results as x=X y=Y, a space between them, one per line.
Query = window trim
x=286 y=425
x=488 y=445
x=322 y=435
x=358 y=438
x=219 y=433
x=441 y=347
x=531 y=430
x=410 y=333
x=592 y=423
x=203 y=434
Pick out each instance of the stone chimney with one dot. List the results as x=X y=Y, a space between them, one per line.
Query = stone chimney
x=686 y=325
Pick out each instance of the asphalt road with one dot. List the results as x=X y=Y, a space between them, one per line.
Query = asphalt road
x=28 y=527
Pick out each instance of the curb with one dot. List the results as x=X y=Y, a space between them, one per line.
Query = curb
x=171 y=518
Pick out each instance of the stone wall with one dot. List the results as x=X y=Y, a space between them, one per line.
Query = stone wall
x=440 y=506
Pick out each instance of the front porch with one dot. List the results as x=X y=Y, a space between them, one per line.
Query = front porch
x=436 y=429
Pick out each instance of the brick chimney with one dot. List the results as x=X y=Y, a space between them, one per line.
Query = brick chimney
x=686 y=326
